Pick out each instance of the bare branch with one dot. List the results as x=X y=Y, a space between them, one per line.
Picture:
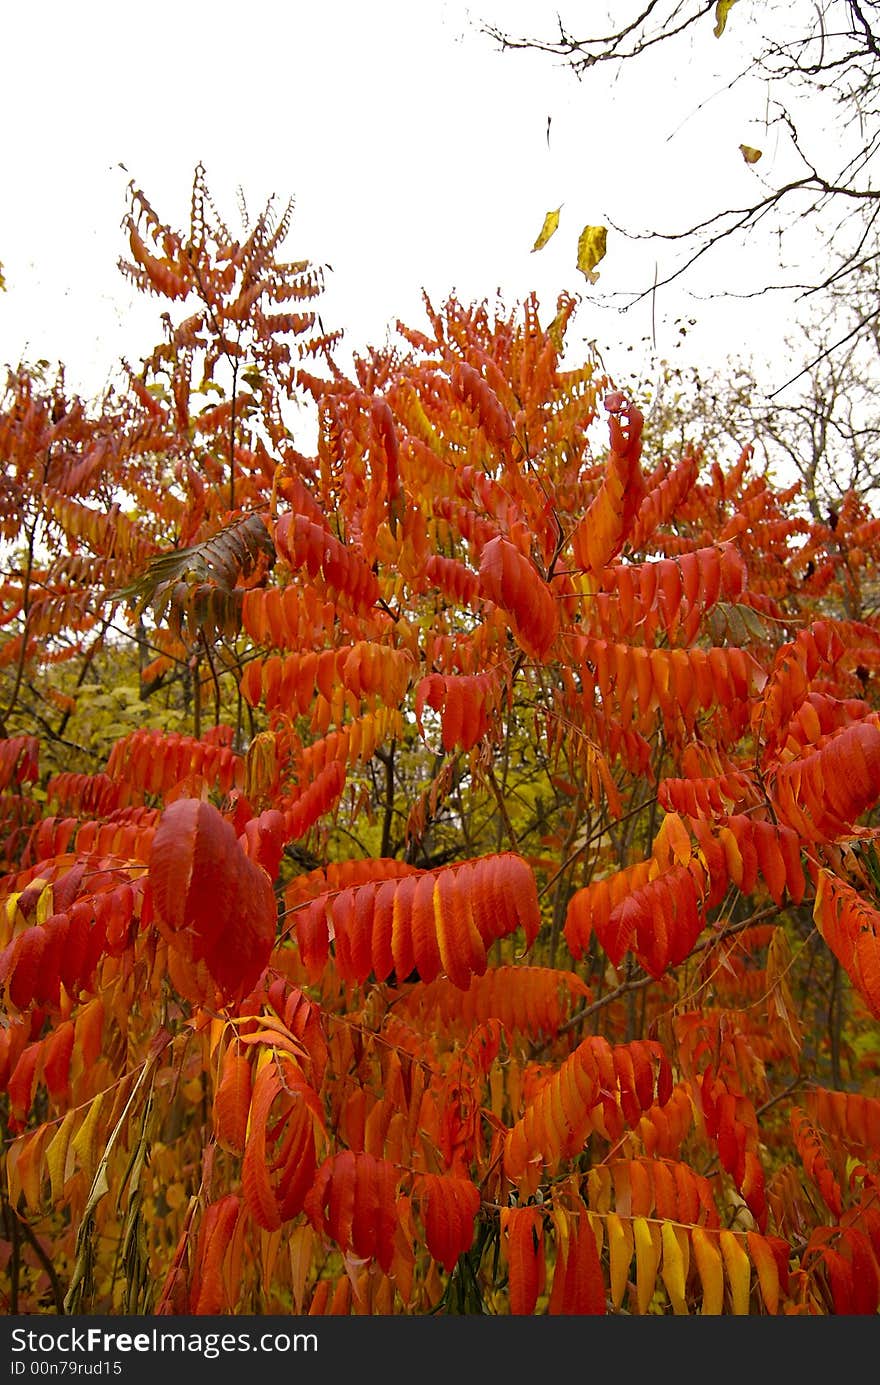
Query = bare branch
x=824 y=52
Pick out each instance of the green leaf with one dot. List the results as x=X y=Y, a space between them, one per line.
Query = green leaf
x=182 y=576
x=732 y=623
x=591 y=249
x=551 y=222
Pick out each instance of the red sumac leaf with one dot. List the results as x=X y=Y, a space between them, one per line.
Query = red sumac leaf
x=215 y=903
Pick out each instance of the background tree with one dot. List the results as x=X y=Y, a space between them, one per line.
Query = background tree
x=815 y=70
x=824 y=430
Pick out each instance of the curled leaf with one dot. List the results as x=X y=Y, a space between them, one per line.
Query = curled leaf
x=591 y=249
x=722 y=10
x=551 y=223
x=750 y=155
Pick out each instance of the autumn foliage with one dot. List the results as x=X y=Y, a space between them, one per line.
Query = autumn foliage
x=475 y=904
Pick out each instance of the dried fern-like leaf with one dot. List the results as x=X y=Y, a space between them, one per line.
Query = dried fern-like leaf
x=210 y=569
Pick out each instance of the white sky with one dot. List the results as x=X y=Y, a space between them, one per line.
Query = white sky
x=416 y=152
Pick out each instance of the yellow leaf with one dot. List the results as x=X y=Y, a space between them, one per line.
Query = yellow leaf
x=722 y=10
x=600 y=1188
x=556 y=330
x=598 y=1228
x=711 y=1273
x=85 y=1142
x=551 y=222
x=56 y=1155
x=739 y=1271
x=620 y=1245
x=675 y=1265
x=750 y=155
x=673 y=841
x=194 y=1090
x=647 y=1239
x=45 y=904
x=591 y=249
x=11 y=908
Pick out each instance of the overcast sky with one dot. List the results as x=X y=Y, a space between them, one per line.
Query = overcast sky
x=417 y=154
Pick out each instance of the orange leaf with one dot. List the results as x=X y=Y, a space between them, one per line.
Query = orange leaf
x=522 y=1232
x=232 y=1101
x=449 y=1207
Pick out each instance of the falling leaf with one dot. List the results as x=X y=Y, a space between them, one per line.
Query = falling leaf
x=591 y=249
x=722 y=10
x=750 y=155
x=551 y=222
